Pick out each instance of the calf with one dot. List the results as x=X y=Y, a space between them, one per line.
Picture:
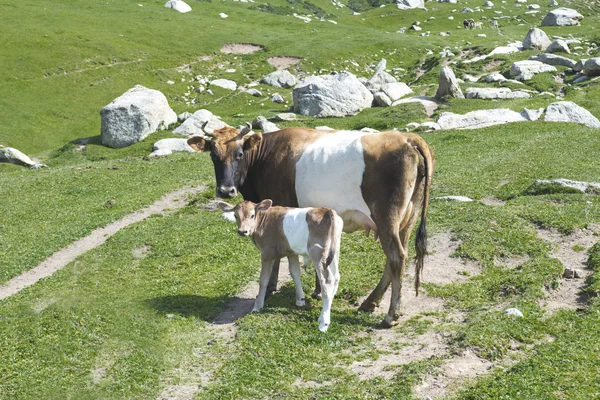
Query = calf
x=468 y=23
x=288 y=232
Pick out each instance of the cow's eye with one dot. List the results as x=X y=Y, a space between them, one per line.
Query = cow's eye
x=240 y=155
x=252 y=217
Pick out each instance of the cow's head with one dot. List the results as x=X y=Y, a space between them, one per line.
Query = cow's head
x=229 y=149
x=245 y=214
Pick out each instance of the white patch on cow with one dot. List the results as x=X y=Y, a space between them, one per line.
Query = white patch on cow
x=330 y=171
x=295 y=230
x=229 y=216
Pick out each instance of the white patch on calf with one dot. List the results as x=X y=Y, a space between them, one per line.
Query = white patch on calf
x=295 y=229
x=329 y=173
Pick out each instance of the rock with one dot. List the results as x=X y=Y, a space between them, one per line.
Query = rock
x=495 y=93
x=224 y=83
x=277 y=98
x=178 y=5
x=562 y=186
x=381 y=65
x=591 y=67
x=553 y=59
x=562 y=17
x=495 y=77
x=183 y=116
x=284 y=117
x=532 y=115
x=488 y=4
x=567 y=111
x=428 y=126
x=558 y=46
x=396 y=90
x=536 y=39
x=571 y=273
x=381 y=99
x=411 y=126
x=415 y=28
x=448 y=85
x=194 y=124
x=466 y=10
x=167 y=146
x=579 y=65
x=580 y=78
x=461 y=199
x=533 y=7
x=514 y=312
x=409 y=4
x=479 y=119
x=553 y=3
x=428 y=103
x=14 y=156
x=264 y=125
x=281 y=78
x=331 y=96
x=254 y=92
x=223 y=15
x=378 y=80
x=525 y=70
x=133 y=116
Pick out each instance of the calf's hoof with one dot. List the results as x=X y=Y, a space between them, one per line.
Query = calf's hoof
x=301 y=303
x=323 y=327
x=316 y=295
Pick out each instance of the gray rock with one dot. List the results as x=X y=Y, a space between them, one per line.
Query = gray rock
x=277 y=98
x=264 y=125
x=536 y=39
x=254 y=92
x=514 y=312
x=381 y=65
x=532 y=115
x=378 y=80
x=428 y=126
x=461 y=199
x=284 y=117
x=495 y=93
x=178 y=5
x=562 y=17
x=525 y=70
x=553 y=3
x=558 y=46
x=495 y=77
x=479 y=119
x=381 y=99
x=553 y=59
x=408 y=4
x=567 y=111
x=167 y=146
x=448 y=85
x=133 y=116
x=396 y=90
x=488 y=4
x=224 y=83
x=17 y=157
x=571 y=273
x=582 y=187
x=579 y=65
x=466 y=10
x=183 y=116
x=194 y=124
x=591 y=67
x=281 y=78
x=331 y=96
x=533 y=7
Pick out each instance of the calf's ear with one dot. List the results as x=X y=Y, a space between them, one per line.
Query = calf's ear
x=264 y=205
x=251 y=140
x=225 y=207
x=199 y=144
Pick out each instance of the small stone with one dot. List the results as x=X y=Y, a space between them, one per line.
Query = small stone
x=513 y=311
x=571 y=273
x=461 y=199
x=170 y=316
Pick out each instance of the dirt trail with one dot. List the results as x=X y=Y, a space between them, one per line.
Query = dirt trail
x=61 y=258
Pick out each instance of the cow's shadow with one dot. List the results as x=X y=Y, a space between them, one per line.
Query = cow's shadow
x=206 y=308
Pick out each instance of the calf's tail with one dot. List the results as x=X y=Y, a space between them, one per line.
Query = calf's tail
x=330 y=247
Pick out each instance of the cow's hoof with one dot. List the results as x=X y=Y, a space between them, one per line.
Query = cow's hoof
x=270 y=292
x=388 y=322
x=316 y=295
x=367 y=307
x=301 y=303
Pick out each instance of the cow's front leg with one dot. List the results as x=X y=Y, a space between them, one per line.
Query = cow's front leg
x=265 y=273
x=272 y=286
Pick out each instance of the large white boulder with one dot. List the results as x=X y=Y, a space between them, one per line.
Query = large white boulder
x=479 y=119
x=536 y=39
x=553 y=59
x=562 y=17
x=567 y=111
x=178 y=5
x=331 y=96
x=409 y=4
x=134 y=115
x=200 y=123
x=558 y=46
x=396 y=90
x=495 y=93
x=525 y=70
x=448 y=85
x=591 y=67
x=379 y=80
x=224 y=83
x=281 y=78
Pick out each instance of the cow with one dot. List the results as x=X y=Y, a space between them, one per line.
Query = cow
x=494 y=23
x=478 y=25
x=374 y=181
x=279 y=232
x=468 y=23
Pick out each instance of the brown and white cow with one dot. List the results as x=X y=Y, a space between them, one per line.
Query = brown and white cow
x=374 y=181
x=288 y=232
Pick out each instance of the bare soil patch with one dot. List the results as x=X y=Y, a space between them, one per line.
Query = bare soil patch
x=492 y=65
x=283 y=62
x=61 y=258
x=241 y=48
x=572 y=252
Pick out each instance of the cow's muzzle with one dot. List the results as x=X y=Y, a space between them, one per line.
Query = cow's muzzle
x=226 y=192
x=243 y=233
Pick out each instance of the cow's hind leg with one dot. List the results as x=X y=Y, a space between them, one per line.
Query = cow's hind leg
x=372 y=302
x=396 y=255
x=295 y=273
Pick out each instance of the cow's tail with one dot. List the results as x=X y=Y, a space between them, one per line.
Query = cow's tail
x=330 y=247
x=421 y=238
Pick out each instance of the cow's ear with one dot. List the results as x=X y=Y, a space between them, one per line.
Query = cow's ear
x=225 y=207
x=199 y=144
x=251 y=140
x=264 y=205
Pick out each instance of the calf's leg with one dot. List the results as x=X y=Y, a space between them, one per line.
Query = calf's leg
x=265 y=273
x=295 y=273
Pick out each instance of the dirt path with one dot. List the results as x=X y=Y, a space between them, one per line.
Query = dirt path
x=61 y=258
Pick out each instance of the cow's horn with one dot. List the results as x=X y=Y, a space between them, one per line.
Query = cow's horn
x=247 y=128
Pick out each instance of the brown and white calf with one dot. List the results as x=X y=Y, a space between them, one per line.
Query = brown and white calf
x=288 y=232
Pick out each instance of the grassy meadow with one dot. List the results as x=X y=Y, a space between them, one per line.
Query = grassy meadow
x=133 y=318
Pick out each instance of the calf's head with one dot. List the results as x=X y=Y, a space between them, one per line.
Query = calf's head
x=229 y=149
x=245 y=214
